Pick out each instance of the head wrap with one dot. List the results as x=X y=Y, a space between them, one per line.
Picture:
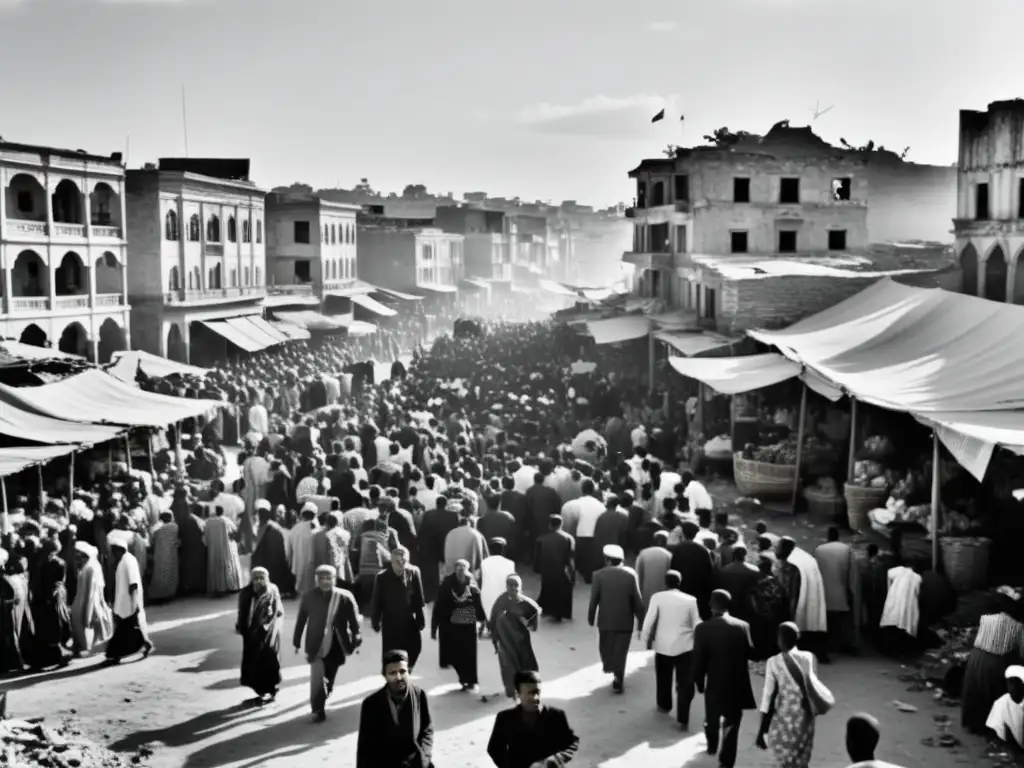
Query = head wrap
x=263 y=504
x=119 y=538
x=1015 y=672
x=613 y=552
x=259 y=569
x=86 y=549
x=326 y=569
x=309 y=506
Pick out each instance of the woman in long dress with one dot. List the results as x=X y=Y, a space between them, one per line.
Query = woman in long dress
x=260 y=616
x=513 y=617
x=50 y=610
x=91 y=619
x=787 y=722
x=164 y=583
x=224 y=568
x=998 y=643
x=454 y=620
x=255 y=478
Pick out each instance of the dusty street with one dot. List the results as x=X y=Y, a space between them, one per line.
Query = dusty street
x=183 y=703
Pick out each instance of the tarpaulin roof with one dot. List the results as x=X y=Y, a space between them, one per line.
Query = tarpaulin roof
x=243 y=341
x=438 y=287
x=293 y=332
x=15 y=353
x=126 y=364
x=310 y=320
x=616 y=329
x=370 y=303
x=732 y=375
x=24 y=423
x=14 y=460
x=691 y=344
x=98 y=398
x=398 y=294
x=913 y=349
x=266 y=328
x=249 y=326
x=483 y=285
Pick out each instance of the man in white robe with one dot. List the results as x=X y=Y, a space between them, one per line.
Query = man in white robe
x=130 y=630
x=1006 y=719
x=300 y=549
x=805 y=588
x=494 y=570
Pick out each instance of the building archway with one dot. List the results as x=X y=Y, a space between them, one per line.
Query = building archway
x=176 y=344
x=67 y=203
x=71 y=277
x=969 y=270
x=104 y=206
x=995 y=275
x=657 y=194
x=29 y=276
x=108 y=274
x=34 y=336
x=75 y=341
x=111 y=340
x=26 y=198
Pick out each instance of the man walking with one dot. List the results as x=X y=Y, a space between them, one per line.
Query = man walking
x=396 y=611
x=652 y=564
x=395 y=726
x=721 y=649
x=838 y=575
x=668 y=629
x=553 y=560
x=616 y=604
x=333 y=634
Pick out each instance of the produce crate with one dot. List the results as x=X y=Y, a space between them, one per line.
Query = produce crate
x=965 y=561
x=824 y=506
x=860 y=501
x=763 y=480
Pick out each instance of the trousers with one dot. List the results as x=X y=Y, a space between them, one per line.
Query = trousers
x=321 y=683
x=665 y=668
x=727 y=726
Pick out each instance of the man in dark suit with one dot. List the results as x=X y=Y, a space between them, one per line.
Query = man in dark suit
x=616 y=603
x=693 y=561
x=529 y=734
x=395 y=727
x=739 y=578
x=721 y=648
x=396 y=609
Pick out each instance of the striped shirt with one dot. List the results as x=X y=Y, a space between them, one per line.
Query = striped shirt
x=999 y=634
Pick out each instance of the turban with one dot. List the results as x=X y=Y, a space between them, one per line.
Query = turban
x=327 y=570
x=613 y=552
x=1015 y=672
x=86 y=549
x=263 y=504
x=119 y=538
x=259 y=570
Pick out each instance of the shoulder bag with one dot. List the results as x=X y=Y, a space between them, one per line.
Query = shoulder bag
x=817 y=697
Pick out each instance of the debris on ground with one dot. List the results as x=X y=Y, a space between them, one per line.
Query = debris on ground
x=31 y=743
x=902 y=706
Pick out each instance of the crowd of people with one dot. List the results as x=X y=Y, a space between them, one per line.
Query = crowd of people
x=417 y=501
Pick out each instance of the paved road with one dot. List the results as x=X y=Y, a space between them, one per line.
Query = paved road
x=183 y=701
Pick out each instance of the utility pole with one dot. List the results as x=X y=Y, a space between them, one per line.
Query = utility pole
x=818 y=112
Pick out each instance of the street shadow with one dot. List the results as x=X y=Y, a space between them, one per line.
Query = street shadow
x=232 y=683
x=219 y=660
x=77 y=668
x=200 y=727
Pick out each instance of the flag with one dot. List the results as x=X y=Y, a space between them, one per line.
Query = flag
x=681 y=118
x=659 y=116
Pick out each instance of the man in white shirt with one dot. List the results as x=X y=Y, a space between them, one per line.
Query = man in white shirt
x=695 y=493
x=589 y=508
x=1006 y=719
x=668 y=631
x=232 y=504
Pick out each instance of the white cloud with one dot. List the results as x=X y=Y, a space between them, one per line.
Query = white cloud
x=607 y=116
x=663 y=26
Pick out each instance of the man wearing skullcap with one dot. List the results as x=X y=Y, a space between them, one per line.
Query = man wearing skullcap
x=1006 y=718
x=395 y=726
x=396 y=609
x=130 y=629
x=300 y=550
x=862 y=737
x=618 y=608
x=330 y=619
x=554 y=559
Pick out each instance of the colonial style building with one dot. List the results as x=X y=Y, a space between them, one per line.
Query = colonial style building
x=62 y=248
x=196 y=229
x=989 y=224
x=486 y=240
x=421 y=260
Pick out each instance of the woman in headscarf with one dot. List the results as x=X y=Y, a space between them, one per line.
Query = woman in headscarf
x=91 y=619
x=15 y=614
x=164 y=583
x=50 y=609
x=260 y=616
x=454 y=621
x=787 y=721
x=998 y=643
x=513 y=617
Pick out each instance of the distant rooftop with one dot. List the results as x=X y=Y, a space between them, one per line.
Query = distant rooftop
x=229 y=169
x=115 y=158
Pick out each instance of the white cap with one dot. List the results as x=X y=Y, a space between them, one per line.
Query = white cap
x=613 y=552
x=1015 y=671
x=119 y=538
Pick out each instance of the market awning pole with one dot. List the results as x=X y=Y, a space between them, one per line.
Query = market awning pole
x=651 y=349
x=852 y=458
x=5 y=519
x=149 y=452
x=71 y=478
x=42 y=488
x=799 y=444
x=179 y=456
x=128 y=450
x=936 y=490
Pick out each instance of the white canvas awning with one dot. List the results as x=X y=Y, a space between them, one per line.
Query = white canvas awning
x=370 y=303
x=293 y=332
x=437 y=287
x=240 y=339
x=733 y=375
x=691 y=344
x=126 y=364
x=617 y=329
x=14 y=460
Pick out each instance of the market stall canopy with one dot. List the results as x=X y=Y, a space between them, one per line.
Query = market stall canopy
x=98 y=398
x=558 y=288
x=293 y=332
x=265 y=327
x=616 y=329
x=370 y=303
x=14 y=460
x=733 y=375
x=257 y=329
x=913 y=349
x=310 y=320
x=14 y=353
x=437 y=287
x=243 y=341
x=971 y=436
x=126 y=364
x=398 y=294
x=483 y=285
x=691 y=344
x=24 y=423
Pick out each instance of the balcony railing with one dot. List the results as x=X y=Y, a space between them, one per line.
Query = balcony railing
x=106 y=232
x=30 y=303
x=213 y=294
x=296 y=288
x=23 y=228
x=69 y=230
x=214 y=249
x=109 y=300
x=71 y=302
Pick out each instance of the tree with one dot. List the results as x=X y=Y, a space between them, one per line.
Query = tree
x=414 y=191
x=671 y=150
x=723 y=137
x=870 y=147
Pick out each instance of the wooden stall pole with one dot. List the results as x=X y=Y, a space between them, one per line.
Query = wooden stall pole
x=149 y=452
x=42 y=487
x=128 y=450
x=110 y=459
x=651 y=352
x=5 y=518
x=933 y=526
x=799 y=444
x=179 y=456
x=852 y=458
x=71 y=478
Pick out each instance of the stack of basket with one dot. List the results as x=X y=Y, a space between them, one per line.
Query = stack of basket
x=762 y=480
x=859 y=501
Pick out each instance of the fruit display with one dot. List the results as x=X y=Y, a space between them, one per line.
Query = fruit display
x=784 y=452
x=876 y=447
x=869 y=474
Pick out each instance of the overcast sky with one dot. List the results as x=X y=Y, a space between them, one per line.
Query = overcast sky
x=544 y=99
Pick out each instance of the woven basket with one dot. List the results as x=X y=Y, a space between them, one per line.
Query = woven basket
x=763 y=480
x=965 y=561
x=860 y=501
x=824 y=506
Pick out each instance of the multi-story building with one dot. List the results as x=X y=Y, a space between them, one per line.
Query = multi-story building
x=989 y=223
x=62 y=248
x=421 y=260
x=196 y=231
x=486 y=243
x=311 y=248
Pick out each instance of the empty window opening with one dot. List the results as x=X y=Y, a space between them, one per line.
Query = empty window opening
x=837 y=240
x=681 y=188
x=741 y=190
x=981 y=202
x=789 y=191
x=738 y=242
x=787 y=241
x=1020 y=198
x=302 y=232
x=841 y=188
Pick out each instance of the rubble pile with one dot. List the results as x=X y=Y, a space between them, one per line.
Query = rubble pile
x=31 y=744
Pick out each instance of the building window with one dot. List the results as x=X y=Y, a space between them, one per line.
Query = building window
x=1020 y=198
x=259 y=230
x=246 y=231
x=787 y=241
x=232 y=230
x=738 y=242
x=681 y=187
x=789 y=191
x=709 y=303
x=741 y=190
x=245 y=277
x=837 y=239
x=658 y=194
x=334 y=234
x=213 y=230
x=327 y=235
x=234 y=277
x=841 y=188
x=171 y=226
x=301 y=232
x=981 y=202
x=174 y=280
x=257 y=276
x=193 y=227
x=641 y=194
x=25 y=204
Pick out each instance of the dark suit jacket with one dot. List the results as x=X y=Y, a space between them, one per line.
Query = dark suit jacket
x=693 y=561
x=383 y=744
x=513 y=745
x=739 y=580
x=721 y=648
x=615 y=600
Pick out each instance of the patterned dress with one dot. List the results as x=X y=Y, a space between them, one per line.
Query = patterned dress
x=791 y=733
x=164 y=583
